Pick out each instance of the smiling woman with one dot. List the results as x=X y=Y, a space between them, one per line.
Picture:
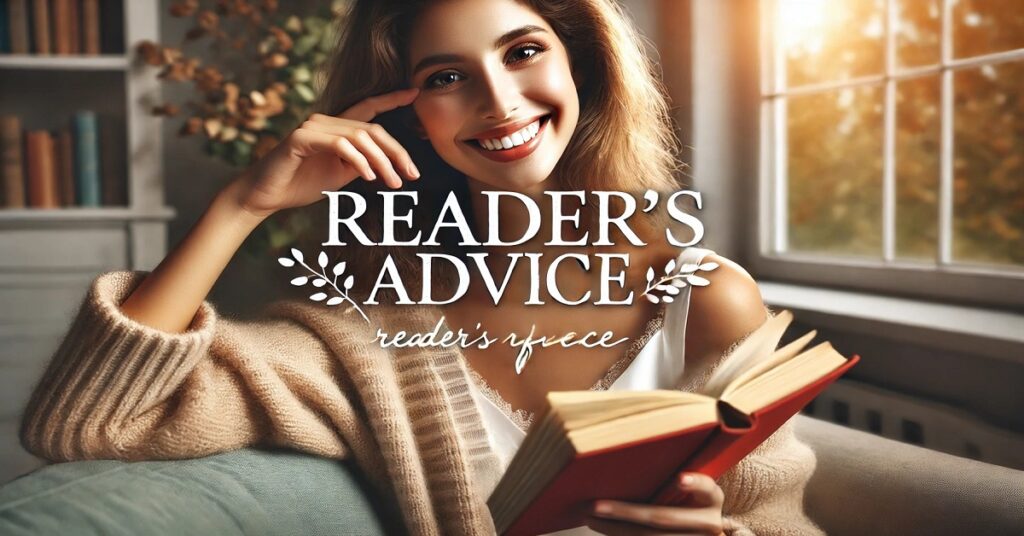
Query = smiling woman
x=448 y=99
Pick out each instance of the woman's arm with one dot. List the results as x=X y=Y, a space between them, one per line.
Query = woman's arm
x=325 y=153
x=170 y=296
x=147 y=369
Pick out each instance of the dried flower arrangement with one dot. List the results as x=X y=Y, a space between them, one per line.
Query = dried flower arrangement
x=260 y=83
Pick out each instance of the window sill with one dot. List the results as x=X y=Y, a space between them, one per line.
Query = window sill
x=978 y=331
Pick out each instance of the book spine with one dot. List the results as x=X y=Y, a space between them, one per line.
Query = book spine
x=75 y=26
x=87 y=159
x=66 y=161
x=17 y=13
x=61 y=26
x=91 y=27
x=11 y=167
x=41 y=26
x=5 y=27
x=112 y=179
x=42 y=178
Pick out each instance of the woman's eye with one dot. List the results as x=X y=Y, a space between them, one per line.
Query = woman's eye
x=442 y=80
x=524 y=53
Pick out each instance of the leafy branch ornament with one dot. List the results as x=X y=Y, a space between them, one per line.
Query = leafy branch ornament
x=321 y=279
x=675 y=278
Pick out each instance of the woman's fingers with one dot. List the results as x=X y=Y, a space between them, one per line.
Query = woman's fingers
x=312 y=141
x=371 y=107
x=701 y=490
x=364 y=142
x=392 y=148
x=665 y=518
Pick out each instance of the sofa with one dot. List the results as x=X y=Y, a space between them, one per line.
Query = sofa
x=863 y=485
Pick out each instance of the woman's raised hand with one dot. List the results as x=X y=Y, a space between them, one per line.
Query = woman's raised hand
x=327 y=153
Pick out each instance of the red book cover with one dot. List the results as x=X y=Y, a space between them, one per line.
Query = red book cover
x=637 y=471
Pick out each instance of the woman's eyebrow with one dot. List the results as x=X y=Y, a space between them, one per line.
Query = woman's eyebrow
x=437 y=59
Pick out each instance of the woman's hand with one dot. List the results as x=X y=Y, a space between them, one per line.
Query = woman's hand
x=327 y=153
x=702 y=513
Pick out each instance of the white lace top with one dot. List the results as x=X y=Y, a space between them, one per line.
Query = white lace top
x=654 y=361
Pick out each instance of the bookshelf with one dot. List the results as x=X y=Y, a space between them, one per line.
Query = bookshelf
x=49 y=256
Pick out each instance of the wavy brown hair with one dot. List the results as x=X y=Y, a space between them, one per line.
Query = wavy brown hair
x=624 y=140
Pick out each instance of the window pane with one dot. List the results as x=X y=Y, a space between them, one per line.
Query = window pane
x=986 y=26
x=918 y=32
x=988 y=184
x=835 y=171
x=918 y=142
x=826 y=40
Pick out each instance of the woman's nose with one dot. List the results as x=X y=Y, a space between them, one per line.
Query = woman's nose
x=501 y=96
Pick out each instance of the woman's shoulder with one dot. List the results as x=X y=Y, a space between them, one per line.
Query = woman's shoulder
x=724 y=311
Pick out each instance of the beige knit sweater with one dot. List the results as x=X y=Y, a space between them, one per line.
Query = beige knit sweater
x=309 y=377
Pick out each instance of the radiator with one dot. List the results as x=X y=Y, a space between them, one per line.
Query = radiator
x=912 y=420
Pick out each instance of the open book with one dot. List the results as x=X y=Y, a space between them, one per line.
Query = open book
x=630 y=445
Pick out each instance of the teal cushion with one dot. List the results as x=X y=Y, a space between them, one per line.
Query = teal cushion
x=247 y=491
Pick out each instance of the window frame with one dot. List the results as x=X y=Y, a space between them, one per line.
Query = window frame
x=960 y=282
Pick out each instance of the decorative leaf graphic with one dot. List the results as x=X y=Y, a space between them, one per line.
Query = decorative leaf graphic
x=667 y=299
x=650 y=274
x=670 y=266
x=697 y=281
x=321 y=280
x=652 y=298
x=708 y=266
x=672 y=290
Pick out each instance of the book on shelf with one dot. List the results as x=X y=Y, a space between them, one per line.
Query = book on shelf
x=60 y=18
x=75 y=165
x=5 y=28
x=87 y=159
x=40 y=158
x=66 y=167
x=40 y=17
x=11 y=167
x=91 y=27
x=59 y=27
x=631 y=445
x=17 y=20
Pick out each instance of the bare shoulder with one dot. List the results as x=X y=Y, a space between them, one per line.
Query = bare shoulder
x=724 y=311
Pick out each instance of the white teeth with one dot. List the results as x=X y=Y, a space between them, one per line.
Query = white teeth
x=513 y=140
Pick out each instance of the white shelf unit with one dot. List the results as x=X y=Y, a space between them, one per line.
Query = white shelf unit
x=48 y=257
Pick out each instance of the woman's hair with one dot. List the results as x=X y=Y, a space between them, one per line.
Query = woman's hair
x=624 y=140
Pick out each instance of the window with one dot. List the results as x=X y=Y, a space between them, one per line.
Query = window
x=892 y=146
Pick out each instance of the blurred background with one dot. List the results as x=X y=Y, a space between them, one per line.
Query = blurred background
x=861 y=158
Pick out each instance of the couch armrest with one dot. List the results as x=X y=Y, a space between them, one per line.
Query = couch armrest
x=867 y=484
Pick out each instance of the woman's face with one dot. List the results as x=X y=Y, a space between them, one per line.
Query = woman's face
x=498 y=101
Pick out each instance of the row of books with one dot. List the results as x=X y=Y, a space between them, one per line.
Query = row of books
x=51 y=169
x=61 y=27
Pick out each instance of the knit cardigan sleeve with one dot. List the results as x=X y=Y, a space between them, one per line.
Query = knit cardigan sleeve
x=119 y=389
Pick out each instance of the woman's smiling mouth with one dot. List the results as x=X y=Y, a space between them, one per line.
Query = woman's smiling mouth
x=501 y=145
